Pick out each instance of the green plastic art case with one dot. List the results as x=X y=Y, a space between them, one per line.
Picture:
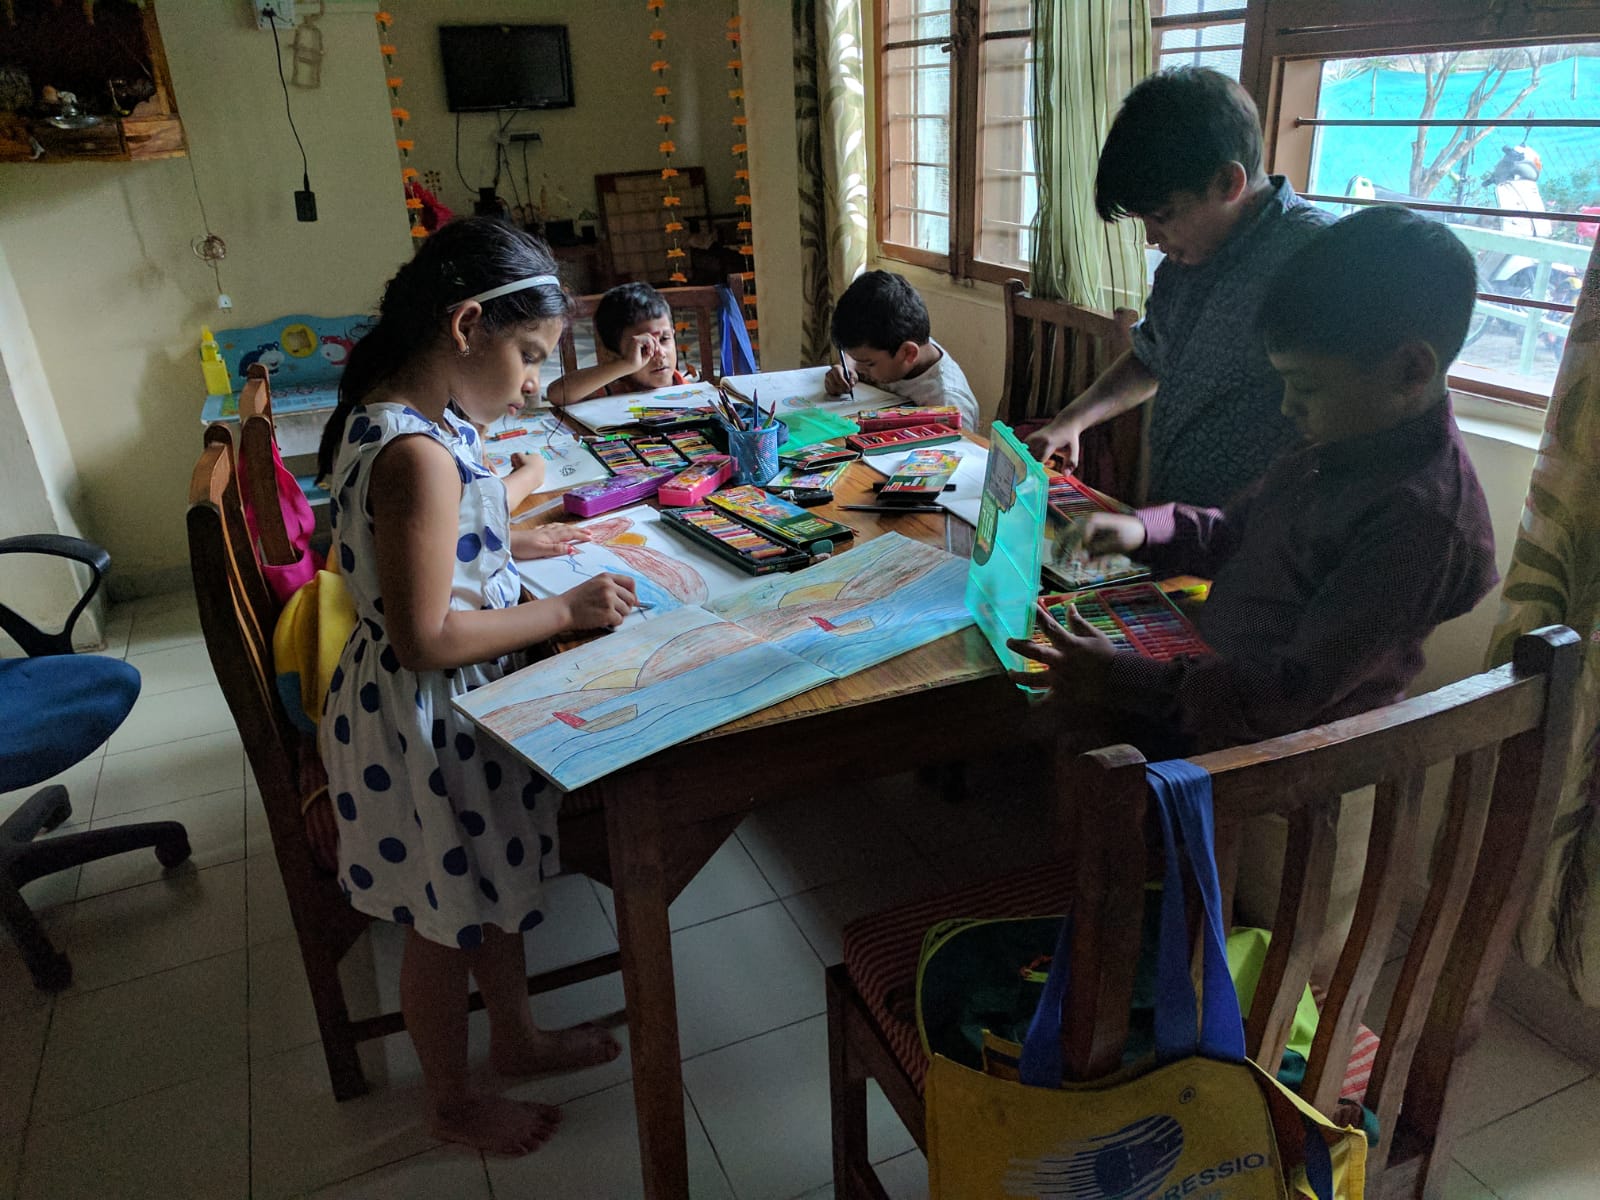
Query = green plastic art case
x=1003 y=581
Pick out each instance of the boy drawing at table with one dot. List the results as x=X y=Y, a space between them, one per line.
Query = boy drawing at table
x=1184 y=157
x=881 y=325
x=1329 y=573
x=635 y=344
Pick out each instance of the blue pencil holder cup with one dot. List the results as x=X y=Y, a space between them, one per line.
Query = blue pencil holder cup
x=754 y=453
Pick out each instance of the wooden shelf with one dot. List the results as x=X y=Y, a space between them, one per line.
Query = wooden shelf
x=59 y=45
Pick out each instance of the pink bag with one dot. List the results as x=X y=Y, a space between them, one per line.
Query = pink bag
x=298 y=524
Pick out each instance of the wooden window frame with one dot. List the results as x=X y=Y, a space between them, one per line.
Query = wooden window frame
x=965 y=47
x=1286 y=42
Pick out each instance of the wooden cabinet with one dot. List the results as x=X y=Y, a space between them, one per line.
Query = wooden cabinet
x=109 y=54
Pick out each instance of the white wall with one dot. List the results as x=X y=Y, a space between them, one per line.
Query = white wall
x=100 y=254
x=39 y=479
x=611 y=124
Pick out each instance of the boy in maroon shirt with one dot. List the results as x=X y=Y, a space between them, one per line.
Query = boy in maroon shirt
x=1328 y=574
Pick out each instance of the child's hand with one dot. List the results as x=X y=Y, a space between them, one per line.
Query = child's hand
x=546 y=541
x=839 y=380
x=602 y=603
x=1112 y=533
x=1076 y=661
x=637 y=352
x=1056 y=441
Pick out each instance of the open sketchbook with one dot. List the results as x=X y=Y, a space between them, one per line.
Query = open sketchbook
x=622 y=697
x=668 y=570
x=614 y=412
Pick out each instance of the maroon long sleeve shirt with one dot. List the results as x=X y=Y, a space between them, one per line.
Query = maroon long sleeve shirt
x=1326 y=578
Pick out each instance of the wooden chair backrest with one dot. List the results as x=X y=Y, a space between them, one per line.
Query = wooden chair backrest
x=1054 y=350
x=1507 y=731
x=238 y=616
x=256 y=436
x=701 y=304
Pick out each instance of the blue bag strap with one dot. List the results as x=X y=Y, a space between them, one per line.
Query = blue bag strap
x=1179 y=791
x=1319 y=1162
x=1182 y=792
x=738 y=356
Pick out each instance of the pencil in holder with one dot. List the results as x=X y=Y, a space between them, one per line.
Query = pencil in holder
x=754 y=453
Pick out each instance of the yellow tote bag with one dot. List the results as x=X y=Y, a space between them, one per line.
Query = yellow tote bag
x=1201 y=1122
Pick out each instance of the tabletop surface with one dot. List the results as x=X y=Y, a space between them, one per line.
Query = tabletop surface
x=959 y=658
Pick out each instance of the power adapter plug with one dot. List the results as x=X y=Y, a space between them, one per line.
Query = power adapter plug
x=305 y=205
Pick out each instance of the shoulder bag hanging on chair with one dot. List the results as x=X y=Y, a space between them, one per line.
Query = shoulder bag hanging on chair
x=738 y=358
x=1201 y=1120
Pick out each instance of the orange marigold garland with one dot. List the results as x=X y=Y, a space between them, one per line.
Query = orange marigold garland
x=665 y=120
x=741 y=177
x=400 y=115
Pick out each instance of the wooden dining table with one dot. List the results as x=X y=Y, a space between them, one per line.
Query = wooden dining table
x=665 y=816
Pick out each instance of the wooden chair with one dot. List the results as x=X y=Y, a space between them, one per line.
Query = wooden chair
x=702 y=303
x=260 y=479
x=1054 y=350
x=1508 y=732
x=238 y=616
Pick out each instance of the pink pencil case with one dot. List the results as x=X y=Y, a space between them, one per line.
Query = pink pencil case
x=623 y=488
x=694 y=484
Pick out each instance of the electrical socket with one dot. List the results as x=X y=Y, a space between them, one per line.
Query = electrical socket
x=283 y=13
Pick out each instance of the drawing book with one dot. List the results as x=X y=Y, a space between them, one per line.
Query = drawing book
x=605 y=413
x=621 y=698
x=667 y=572
x=540 y=434
x=803 y=390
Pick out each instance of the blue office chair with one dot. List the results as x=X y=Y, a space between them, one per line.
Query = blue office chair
x=56 y=708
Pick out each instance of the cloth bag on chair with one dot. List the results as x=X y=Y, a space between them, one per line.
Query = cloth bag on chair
x=1198 y=1120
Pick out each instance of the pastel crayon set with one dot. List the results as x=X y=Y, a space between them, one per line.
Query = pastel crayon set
x=907 y=416
x=921 y=478
x=806 y=488
x=1135 y=616
x=619 y=491
x=1071 y=497
x=816 y=458
x=692 y=444
x=733 y=540
x=908 y=438
x=778 y=518
x=696 y=481
x=617 y=454
x=670 y=418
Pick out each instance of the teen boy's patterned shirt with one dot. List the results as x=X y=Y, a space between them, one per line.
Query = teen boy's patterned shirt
x=1216 y=424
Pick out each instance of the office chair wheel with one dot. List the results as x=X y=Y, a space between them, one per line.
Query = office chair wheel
x=53 y=974
x=60 y=808
x=170 y=854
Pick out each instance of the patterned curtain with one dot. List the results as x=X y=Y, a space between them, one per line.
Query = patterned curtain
x=830 y=129
x=1087 y=55
x=1555 y=579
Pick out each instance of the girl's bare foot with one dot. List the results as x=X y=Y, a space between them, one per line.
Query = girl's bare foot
x=533 y=1052
x=496 y=1124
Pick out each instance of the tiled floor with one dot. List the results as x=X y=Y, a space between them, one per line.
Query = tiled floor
x=184 y=1063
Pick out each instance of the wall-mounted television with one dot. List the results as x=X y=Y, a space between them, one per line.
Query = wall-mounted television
x=489 y=67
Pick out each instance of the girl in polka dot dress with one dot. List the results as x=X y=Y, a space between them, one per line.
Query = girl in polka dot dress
x=439 y=830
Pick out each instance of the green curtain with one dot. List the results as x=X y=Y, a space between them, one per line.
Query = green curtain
x=1555 y=579
x=1087 y=55
x=830 y=134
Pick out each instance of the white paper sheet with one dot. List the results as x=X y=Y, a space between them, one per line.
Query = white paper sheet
x=803 y=389
x=965 y=501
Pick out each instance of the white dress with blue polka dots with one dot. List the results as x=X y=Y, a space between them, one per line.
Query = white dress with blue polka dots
x=438 y=827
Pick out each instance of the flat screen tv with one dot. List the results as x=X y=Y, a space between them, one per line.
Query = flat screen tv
x=489 y=67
